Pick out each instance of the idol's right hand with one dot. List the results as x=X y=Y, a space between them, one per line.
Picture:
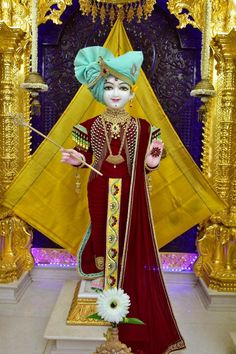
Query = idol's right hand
x=72 y=157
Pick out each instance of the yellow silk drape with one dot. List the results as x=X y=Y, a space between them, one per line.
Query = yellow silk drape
x=43 y=193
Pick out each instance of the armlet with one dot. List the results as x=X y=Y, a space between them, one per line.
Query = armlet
x=155 y=133
x=80 y=137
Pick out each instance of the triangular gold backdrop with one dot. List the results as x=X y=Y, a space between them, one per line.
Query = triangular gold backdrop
x=43 y=193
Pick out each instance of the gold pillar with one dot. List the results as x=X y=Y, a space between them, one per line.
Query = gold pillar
x=15 y=48
x=216 y=241
x=15 y=235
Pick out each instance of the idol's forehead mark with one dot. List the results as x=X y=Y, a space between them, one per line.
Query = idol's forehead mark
x=109 y=80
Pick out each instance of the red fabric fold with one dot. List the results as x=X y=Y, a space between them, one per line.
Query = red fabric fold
x=142 y=278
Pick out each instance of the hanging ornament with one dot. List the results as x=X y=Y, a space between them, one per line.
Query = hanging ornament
x=122 y=9
x=204 y=88
x=34 y=83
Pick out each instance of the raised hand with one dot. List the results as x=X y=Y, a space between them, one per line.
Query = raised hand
x=153 y=156
x=72 y=157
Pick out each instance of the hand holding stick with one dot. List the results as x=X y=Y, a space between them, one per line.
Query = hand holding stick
x=18 y=120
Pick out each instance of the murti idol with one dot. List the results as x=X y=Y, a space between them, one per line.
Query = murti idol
x=119 y=248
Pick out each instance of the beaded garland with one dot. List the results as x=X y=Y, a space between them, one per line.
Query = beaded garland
x=98 y=141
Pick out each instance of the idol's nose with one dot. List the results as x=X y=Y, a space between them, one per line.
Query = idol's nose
x=116 y=92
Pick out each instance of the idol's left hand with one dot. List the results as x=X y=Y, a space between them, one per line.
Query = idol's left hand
x=153 y=156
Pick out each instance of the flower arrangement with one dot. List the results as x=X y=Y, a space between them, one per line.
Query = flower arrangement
x=113 y=306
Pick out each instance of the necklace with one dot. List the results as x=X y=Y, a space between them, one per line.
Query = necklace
x=115 y=119
x=115 y=159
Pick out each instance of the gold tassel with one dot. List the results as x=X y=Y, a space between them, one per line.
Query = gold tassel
x=102 y=14
x=139 y=12
x=148 y=8
x=121 y=13
x=77 y=181
x=149 y=184
x=117 y=9
x=94 y=11
x=112 y=14
x=130 y=13
x=85 y=7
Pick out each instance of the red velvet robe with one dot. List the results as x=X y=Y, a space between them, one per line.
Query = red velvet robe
x=139 y=271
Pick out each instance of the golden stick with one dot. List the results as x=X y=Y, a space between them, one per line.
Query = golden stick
x=20 y=121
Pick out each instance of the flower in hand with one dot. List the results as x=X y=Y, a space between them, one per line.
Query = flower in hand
x=72 y=157
x=154 y=155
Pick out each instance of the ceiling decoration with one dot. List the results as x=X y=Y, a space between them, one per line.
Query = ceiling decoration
x=113 y=9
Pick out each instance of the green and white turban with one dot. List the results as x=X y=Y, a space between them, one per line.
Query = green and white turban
x=94 y=64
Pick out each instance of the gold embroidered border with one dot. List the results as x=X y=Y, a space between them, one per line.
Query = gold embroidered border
x=112 y=233
x=131 y=194
x=81 y=308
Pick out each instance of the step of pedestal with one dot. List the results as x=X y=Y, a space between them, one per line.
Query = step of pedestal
x=69 y=339
x=12 y=292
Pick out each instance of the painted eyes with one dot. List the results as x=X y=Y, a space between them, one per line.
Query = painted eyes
x=124 y=88
x=108 y=87
x=111 y=87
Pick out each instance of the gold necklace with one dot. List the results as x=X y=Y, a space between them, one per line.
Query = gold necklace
x=115 y=119
x=115 y=159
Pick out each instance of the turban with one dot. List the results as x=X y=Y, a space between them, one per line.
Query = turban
x=94 y=64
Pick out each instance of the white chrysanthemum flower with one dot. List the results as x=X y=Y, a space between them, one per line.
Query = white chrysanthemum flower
x=113 y=305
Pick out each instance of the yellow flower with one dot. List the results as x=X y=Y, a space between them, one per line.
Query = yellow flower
x=134 y=88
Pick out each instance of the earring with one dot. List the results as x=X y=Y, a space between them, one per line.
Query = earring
x=131 y=103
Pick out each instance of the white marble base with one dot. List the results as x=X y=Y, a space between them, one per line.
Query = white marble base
x=53 y=273
x=71 y=339
x=11 y=293
x=178 y=278
x=216 y=300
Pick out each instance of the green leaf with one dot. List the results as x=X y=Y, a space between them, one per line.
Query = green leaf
x=132 y=320
x=95 y=316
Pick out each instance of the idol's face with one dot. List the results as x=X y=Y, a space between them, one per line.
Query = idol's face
x=116 y=93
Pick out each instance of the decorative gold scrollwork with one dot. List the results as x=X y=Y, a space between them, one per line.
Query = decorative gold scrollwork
x=189 y=12
x=52 y=10
x=18 y=13
x=15 y=242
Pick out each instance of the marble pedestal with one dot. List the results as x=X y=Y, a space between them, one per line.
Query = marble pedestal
x=11 y=293
x=69 y=339
x=215 y=300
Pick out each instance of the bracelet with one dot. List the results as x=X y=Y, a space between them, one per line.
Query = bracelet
x=150 y=168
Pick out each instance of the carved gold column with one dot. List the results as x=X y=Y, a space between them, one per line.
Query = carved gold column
x=15 y=49
x=15 y=235
x=216 y=241
x=217 y=237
